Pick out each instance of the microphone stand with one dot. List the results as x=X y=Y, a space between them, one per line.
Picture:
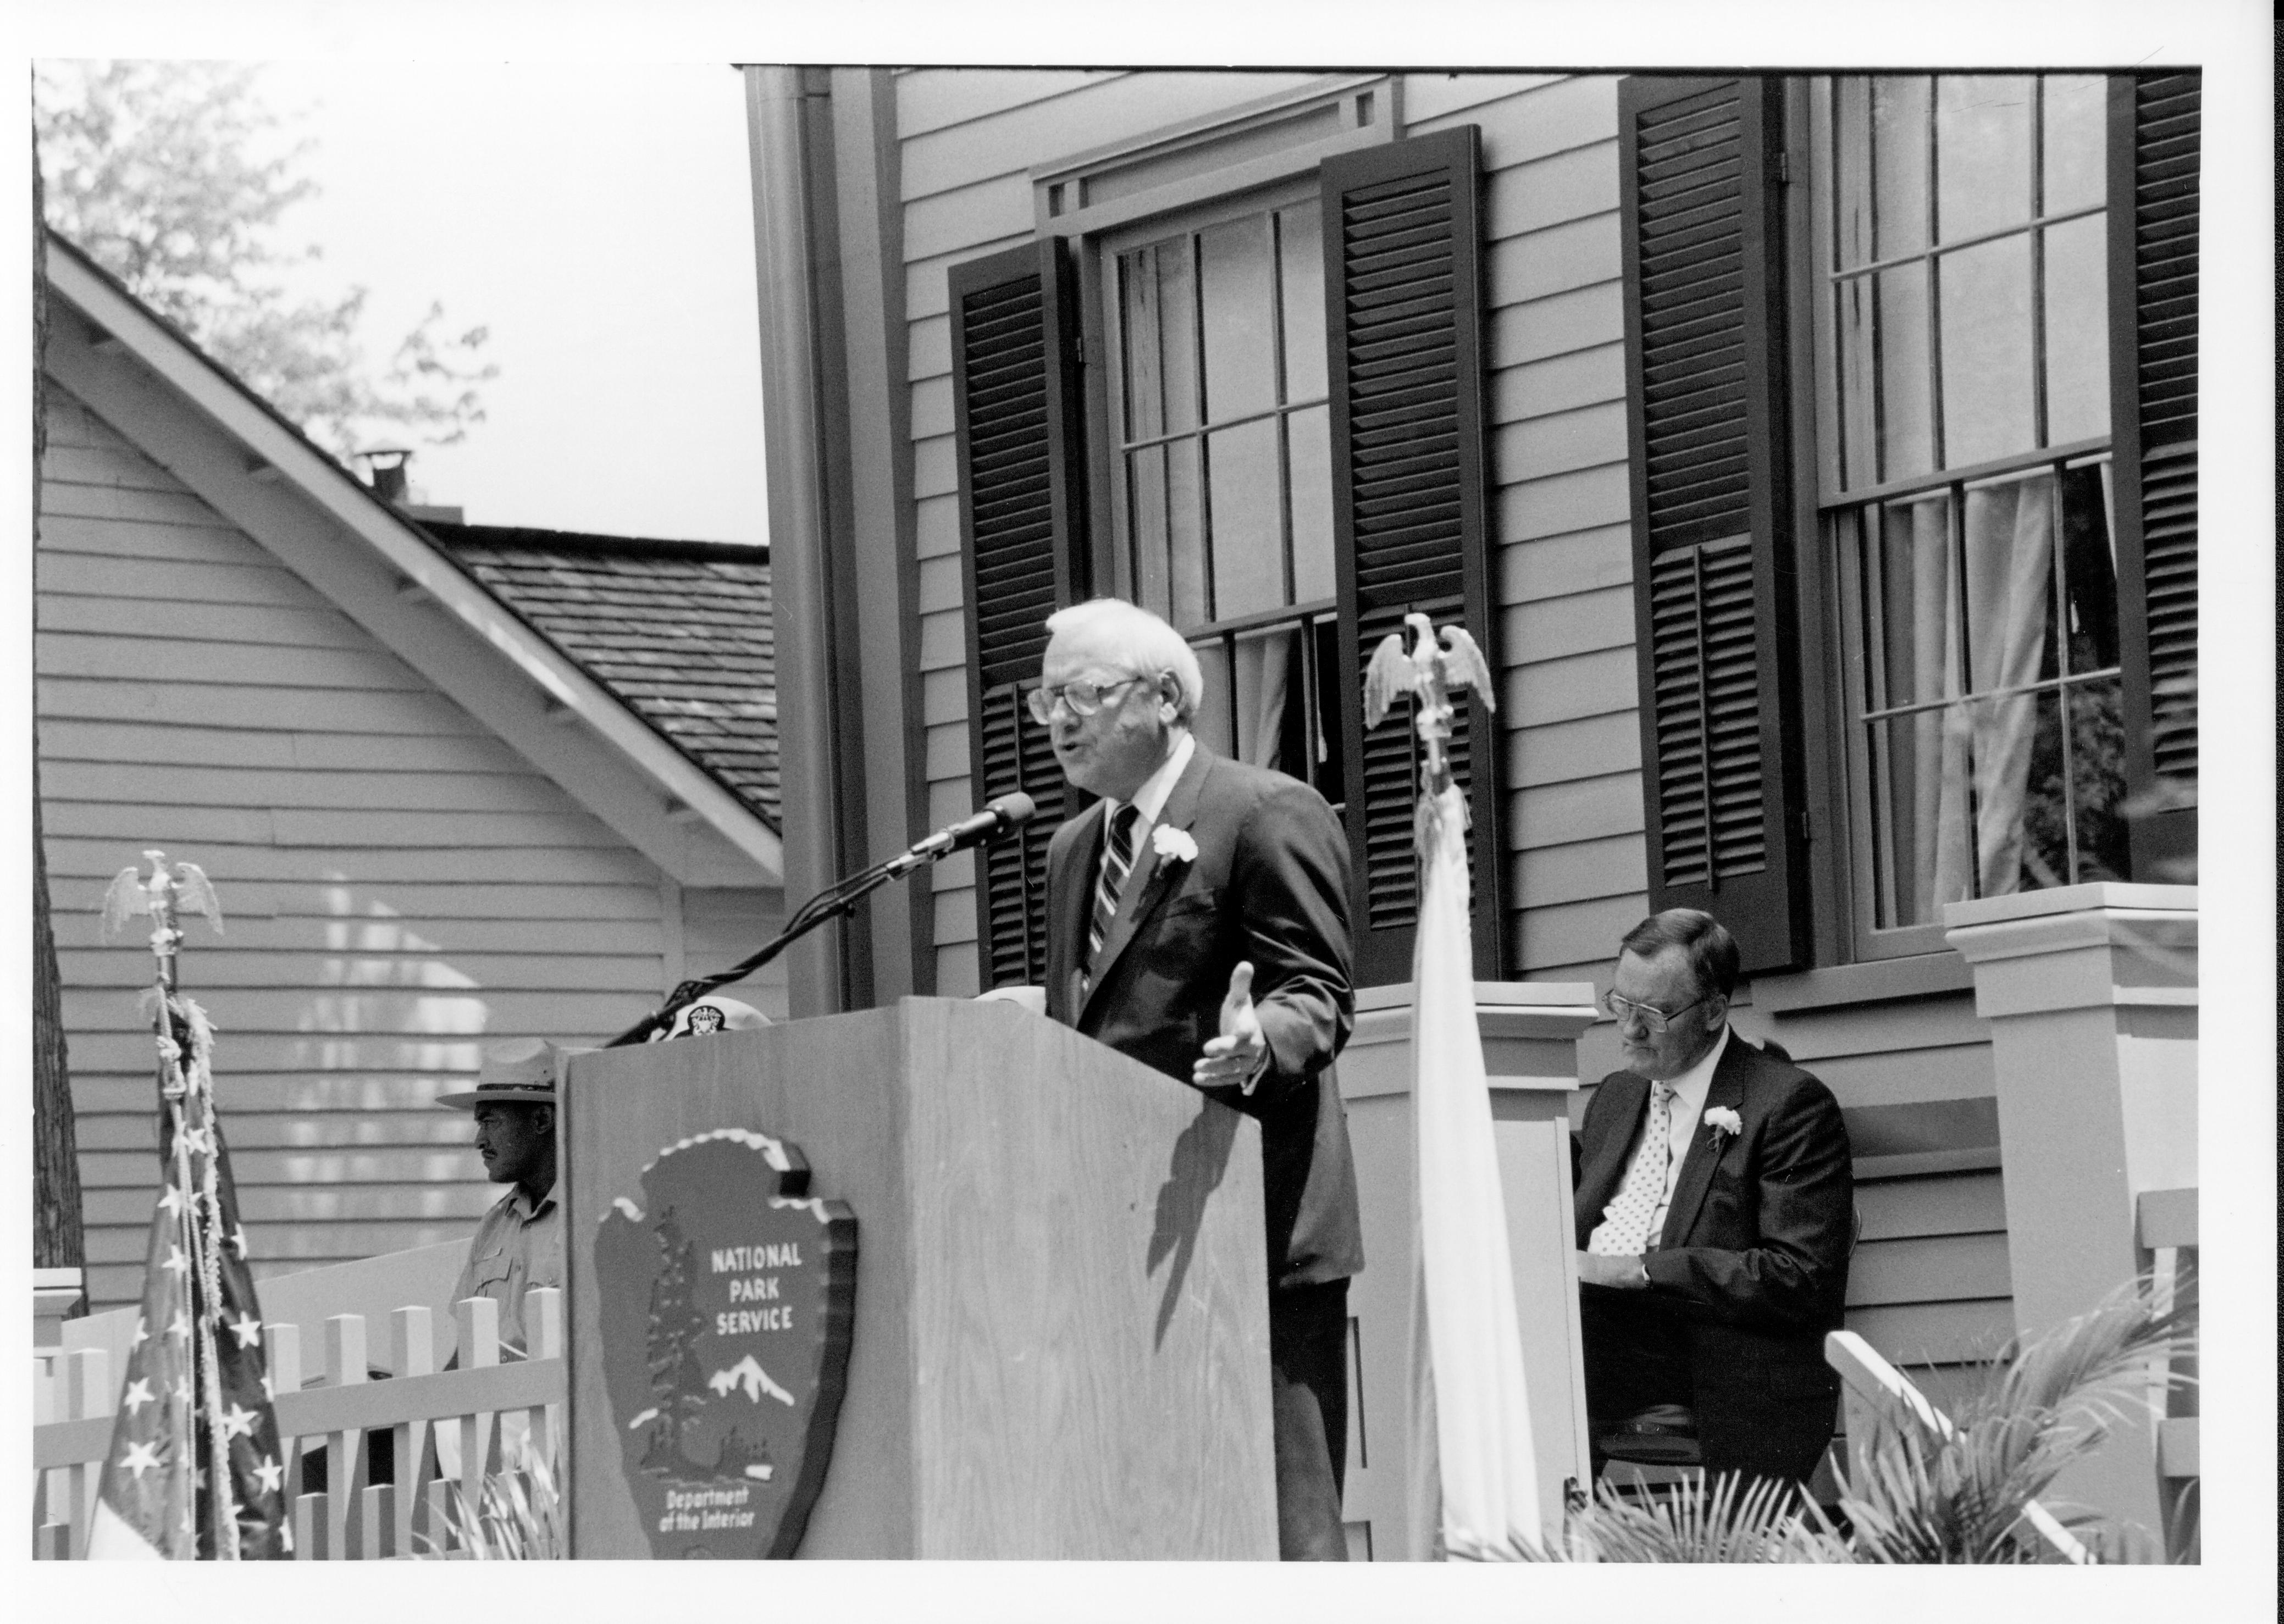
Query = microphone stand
x=839 y=898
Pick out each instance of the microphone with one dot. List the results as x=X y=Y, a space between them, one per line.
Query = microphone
x=977 y=828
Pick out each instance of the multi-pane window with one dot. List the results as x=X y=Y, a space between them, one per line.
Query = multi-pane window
x=1962 y=382
x=1222 y=477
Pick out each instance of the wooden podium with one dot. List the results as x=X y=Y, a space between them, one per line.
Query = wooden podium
x=1061 y=1345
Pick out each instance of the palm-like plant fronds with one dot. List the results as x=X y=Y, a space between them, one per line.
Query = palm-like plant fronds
x=1925 y=1489
x=519 y=1518
x=1965 y=1491
x=1725 y=1520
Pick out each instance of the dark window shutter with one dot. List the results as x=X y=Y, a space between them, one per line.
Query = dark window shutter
x=1713 y=569
x=1411 y=506
x=1015 y=403
x=2154 y=120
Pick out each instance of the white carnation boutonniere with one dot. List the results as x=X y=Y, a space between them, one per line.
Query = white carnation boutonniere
x=1722 y=1123
x=1173 y=844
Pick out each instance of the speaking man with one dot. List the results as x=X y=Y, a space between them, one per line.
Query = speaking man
x=1198 y=922
x=1714 y=1209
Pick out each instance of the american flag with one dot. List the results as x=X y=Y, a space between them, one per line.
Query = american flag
x=195 y=1470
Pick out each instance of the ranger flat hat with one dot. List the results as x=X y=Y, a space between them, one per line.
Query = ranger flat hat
x=521 y=1072
x=704 y=1017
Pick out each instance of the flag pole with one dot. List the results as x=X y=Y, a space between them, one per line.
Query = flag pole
x=1471 y=1472
x=200 y=1502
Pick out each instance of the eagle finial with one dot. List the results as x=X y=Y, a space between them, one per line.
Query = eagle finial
x=185 y=888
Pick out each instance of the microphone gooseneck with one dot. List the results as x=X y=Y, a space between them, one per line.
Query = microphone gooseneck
x=1001 y=817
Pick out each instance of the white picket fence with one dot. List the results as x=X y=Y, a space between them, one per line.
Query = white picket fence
x=481 y=1402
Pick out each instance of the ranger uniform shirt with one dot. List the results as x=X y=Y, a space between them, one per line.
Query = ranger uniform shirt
x=517 y=1247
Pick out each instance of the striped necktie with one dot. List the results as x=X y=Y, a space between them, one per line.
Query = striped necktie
x=1117 y=860
x=1625 y=1228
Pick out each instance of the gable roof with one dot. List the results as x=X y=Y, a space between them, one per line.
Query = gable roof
x=680 y=631
x=232 y=450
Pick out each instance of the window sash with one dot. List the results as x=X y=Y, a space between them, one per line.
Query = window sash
x=1867 y=708
x=1869 y=726
x=1840 y=397
x=1107 y=253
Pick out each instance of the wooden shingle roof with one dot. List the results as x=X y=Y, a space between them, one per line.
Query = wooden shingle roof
x=679 y=631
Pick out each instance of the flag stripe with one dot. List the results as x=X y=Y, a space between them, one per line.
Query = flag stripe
x=1475 y=1460
x=193 y=1468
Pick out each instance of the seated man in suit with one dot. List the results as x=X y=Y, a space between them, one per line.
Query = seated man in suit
x=1197 y=920
x=1715 y=1211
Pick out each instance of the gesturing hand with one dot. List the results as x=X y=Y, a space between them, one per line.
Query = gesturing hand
x=1236 y=1055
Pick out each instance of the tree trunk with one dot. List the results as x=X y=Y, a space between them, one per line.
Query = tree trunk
x=57 y=1241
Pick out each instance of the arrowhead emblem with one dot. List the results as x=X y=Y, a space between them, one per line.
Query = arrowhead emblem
x=727 y=1297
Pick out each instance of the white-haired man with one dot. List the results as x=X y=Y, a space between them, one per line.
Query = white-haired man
x=1198 y=922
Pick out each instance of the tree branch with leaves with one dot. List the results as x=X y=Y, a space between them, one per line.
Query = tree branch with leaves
x=176 y=177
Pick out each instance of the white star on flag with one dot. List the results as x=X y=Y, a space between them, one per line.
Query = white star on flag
x=188 y=1395
x=270 y=1474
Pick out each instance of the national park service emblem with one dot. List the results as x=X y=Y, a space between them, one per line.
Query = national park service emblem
x=727 y=1299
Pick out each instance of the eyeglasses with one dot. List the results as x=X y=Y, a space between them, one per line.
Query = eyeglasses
x=1083 y=698
x=1652 y=1017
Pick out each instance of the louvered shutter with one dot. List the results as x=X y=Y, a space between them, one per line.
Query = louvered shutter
x=1015 y=402
x=1411 y=509
x=1713 y=576
x=2153 y=281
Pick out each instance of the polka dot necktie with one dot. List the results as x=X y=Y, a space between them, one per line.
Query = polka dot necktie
x=1625 y=1228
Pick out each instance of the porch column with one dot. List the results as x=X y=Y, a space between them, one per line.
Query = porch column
x=2090 y=992
x=1530 y=1034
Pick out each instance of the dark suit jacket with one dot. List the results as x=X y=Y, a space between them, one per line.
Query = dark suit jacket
x=1270 y=883
x=1752 y=1264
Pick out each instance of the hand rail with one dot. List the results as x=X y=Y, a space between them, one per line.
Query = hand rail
x=1872 y=1383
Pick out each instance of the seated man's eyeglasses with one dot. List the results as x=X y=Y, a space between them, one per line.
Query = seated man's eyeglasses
x=1083 y=698
x=1652 y=1017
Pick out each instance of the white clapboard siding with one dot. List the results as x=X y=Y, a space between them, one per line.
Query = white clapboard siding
x=721 y=928
x=1930 y=1285
x=398 y=886
x=1557 y=386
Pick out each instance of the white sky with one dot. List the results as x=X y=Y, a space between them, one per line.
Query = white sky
x=599 y=219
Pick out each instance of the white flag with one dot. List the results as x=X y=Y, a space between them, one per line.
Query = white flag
x=1474 y=1480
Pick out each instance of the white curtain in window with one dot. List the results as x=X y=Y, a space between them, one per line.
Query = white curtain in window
x=1984 y=744
x=1263 y=662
